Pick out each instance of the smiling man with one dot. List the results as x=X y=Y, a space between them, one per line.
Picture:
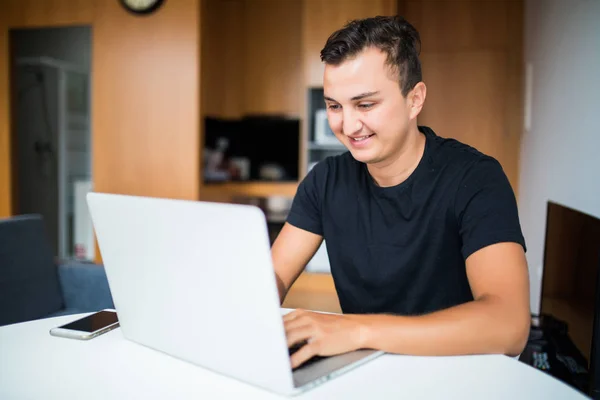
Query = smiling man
x=422 y=232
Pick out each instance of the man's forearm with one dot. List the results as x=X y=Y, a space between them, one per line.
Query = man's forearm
x=483 y=326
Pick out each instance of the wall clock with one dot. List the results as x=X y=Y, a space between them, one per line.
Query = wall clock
x=141 y=7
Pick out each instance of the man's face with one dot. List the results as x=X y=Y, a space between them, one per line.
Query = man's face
x=365 y=106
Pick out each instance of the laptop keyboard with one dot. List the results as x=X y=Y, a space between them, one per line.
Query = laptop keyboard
x=308 y=362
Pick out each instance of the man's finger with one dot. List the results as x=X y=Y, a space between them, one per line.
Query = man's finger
x=296 y=323
x=305 y=353
x=292 y=315
x=298 y=335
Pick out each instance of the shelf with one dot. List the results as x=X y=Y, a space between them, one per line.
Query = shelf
x=254 y=189
x=326 y=147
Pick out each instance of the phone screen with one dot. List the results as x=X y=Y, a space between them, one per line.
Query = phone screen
x=93 y=322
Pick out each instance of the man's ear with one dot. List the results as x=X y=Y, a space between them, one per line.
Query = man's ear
x=416 y=99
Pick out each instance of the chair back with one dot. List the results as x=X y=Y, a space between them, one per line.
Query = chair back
x=29 y=285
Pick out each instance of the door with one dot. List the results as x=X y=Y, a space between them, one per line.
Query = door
x=36 y=135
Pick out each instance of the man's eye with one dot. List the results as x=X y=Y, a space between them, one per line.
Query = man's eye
x=366 y=105
x=333 y=107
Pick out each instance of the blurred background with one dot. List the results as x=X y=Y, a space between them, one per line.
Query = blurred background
x=221 y=100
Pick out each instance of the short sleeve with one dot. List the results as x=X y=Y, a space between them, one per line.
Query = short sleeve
x=305 y=212
x=486 y=208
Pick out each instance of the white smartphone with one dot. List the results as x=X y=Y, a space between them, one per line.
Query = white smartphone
x=88 y=327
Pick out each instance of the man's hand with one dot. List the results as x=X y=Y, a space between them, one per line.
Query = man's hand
x=326 y=334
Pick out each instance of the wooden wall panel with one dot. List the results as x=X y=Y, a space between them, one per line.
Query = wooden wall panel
x=27 y=14
x=5 y=139
x=251 y=59
x=223 y=58
x=460 y=24
x=321 y=18
x=273 y=57
x=465 y=97
x=514 y=103
x=145 y=111
x=473 y=66
x=35 y=13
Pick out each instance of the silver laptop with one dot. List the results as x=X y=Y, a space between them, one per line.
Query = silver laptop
x=195 y=280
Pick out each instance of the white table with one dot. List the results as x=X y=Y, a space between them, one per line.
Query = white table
x=35 y=365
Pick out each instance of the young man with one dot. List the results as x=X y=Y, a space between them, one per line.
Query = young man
x=422 y=232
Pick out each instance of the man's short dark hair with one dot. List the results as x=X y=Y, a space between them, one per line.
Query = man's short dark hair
x=391 y=34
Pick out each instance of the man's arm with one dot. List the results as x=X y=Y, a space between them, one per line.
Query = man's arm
x=292 y=250
x=496 y=321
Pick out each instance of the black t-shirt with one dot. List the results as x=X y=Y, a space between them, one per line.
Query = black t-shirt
x=402 y=249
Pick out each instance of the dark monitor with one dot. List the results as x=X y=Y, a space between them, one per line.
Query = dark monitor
x=571 y=280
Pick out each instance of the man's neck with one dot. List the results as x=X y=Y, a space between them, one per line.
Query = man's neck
x=402 y=164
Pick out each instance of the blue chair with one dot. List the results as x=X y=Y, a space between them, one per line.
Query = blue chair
x=34 y=286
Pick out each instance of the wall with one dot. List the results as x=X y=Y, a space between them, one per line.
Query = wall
x=145 y=100
x=559 y=154
x=145 y=93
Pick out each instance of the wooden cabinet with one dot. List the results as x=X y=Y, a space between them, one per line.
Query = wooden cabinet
x=251 y=57
x=258 y=56
x=320 y=18
x=222 y=55
x=272 y=56
x=250 y=65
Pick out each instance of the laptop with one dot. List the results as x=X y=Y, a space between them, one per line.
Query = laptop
x=195 y=280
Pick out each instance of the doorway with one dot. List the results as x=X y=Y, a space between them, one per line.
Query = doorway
x=51 y=133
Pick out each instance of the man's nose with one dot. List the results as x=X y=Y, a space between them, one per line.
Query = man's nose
x=351 y=124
